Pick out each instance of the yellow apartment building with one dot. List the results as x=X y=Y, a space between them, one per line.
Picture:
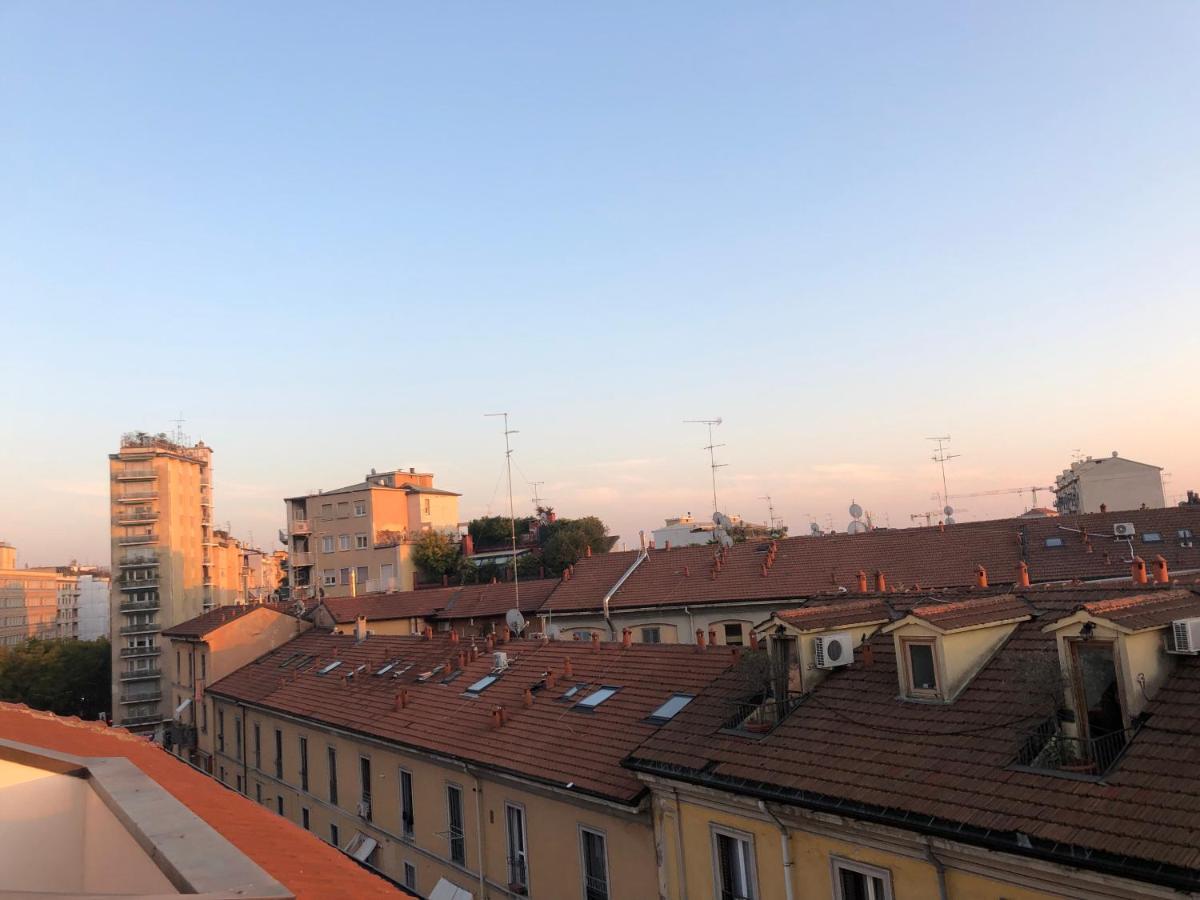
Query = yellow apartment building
x=359 y=538
x=29 y=600
x=492 y=768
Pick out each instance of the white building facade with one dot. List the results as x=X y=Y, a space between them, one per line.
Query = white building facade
x=1110 y=482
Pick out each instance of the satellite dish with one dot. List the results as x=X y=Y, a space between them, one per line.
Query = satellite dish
x=948 y=510
x=515 y=621
x=856 y=511
x=856 y=527
x=949 y=519
x=814 y=528
x=721 y=520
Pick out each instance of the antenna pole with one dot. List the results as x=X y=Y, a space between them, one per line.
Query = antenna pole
x=537 y=501
x=512 y=519
x=712 y=456
x=770 y=512
x=941 y=457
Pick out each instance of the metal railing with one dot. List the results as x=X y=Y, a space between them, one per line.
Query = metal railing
x=141 y=697
x=518 y=875
x=138 y=539
x=146 y=584
x=1047 y=747
x=762 y=713
x=135 y=516
x=595 y=887
x=136 y=475
x=134 y=496
x=140 y=651
x=141 y=628
x=141 y=674
x=301 y=526
x=137 y=560
x=132 y=606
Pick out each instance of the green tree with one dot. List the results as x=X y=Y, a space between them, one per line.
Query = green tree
x=70 y=678
x=494 y=532
x=435 y=555
x=565 y=541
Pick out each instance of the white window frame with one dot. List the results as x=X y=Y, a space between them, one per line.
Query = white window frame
x=360 y=541
x=329 y=577
x=716 y=831
x=327 y=544
x=583 y=873
x=343 y=542
x=360 y=508
x=508 y=841
x=462 y=815
x=838 y=863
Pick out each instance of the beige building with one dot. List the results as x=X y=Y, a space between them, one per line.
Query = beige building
x=262 y=573
x=165 y=562
x=29 y=600
x=361 y=536
x=1110 y=482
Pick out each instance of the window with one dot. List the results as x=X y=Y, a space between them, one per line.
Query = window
x=258 y=791
x=364 y=778
x=410 y=876
x=856 y=881
x=360 y=576
x=652 y=635
x=598 y=696
x=333 y=798
x=733 y=634
x=343 y=509
x=222 y=775
x=454 y=821
x=204 y=667
x=518 y=852
x=327 y=543
x=221 y=732
x=733 y=865
x=304 y=764
x=482 y=684
x=344 y=575
x=304 y=820
x=257 y=747
x=426 y=506
x=329 y=577
x=333 y=835
x=595 y=864
x=360 y=507
x=921 y=668
x=204 y=718
x=360 y=542
x=1185 y=536
x=407 y=816
x=1151 y=537
x=671 y=708
x=237 y=734
x=343 y=542
x=326 y=510
x=325 y=670
x=1054 y=542
x=241 y=788
x=278 y=753
x=279 y=805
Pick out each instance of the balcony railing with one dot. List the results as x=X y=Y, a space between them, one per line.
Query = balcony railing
x=136 y=475
x=141 y=696
x=135 y=496
x=140 y=651
x=301 y=526
x=127 y=539
x=141 y=628
x=144 y=584
x=595 y=887
x=152 y=719
x=131 y=606
x=135 y=516
x=307 y=558
x=761 y=714
x=1048 y=747
x=139 y=560
x=140 y=674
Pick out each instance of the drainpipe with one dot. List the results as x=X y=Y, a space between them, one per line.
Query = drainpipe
x=612 y=630
x=785 y=845
x=478 y=829
x=691 y=621
x=937 y=865
x=679 y=842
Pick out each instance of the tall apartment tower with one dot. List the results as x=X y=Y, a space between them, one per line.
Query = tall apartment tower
x=162 y=563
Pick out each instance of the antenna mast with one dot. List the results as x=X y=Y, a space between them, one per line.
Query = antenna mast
x=711 y=448
x=770 y=512
x=537 y=501
x=941 y=457
x=512 y=519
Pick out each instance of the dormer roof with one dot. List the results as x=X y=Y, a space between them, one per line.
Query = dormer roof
x=826 y=616
x=1139 y=612
x=1002 y=609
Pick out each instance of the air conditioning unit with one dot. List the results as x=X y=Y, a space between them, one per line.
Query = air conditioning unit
x=499 y=660
x=1124 y=529
x=364 y=809
x=833 y=650
x=1184 y=637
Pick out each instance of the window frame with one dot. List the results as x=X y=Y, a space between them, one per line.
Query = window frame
x=360 y=508
x=365 y=774
x=717 y=831
x=519 y=810
x=303 y=744
x=583 y=860
x=408 y=812
x=343 y=543
x=279 y=753
x=331 y=766
x=839 y=863
x=910 y=688
x=327 y=543
x=258 y=746
x=453 y=788
x=656 y=629
x=360 y=541
x=407 y=867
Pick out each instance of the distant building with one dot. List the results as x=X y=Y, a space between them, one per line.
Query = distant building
x=94 y=595
x=359 y=538
x=687 y=531
x=1110 y=482
x=29 y=600
x=262 y=573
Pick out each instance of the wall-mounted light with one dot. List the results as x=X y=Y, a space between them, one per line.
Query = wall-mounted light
x=1087 y=630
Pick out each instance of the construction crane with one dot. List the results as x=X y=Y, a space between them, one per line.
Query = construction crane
x=1032 y=491
x=927 y=516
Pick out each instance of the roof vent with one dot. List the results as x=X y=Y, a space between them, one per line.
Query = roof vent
x=1124 y=529
x=834 y=650
x=1184 y=637
x=499 y=661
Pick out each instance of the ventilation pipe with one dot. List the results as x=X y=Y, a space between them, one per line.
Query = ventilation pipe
x=981 y=577
x=360 y=629
x=1138 y=570
x=1160 y=569
x=1023 y=574
x=604 y=603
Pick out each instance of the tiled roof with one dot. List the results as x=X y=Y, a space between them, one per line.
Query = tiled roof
x=837 y=614
x=395 y=605
x=548 y=741
x=909 y=558
x=972 y=612
x=457 y=602
x=306 y=865
x=1152 y=610
x=481 y=600
x=854 y=748
x=208 y=622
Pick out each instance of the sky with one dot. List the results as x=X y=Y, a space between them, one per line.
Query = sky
x=334 y=236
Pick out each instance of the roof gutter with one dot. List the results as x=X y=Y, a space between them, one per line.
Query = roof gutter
x=641 y=558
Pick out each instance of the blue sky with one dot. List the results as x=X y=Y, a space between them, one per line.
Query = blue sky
x=334 y=235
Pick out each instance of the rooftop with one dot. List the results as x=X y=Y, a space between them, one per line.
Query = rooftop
x=208 y=622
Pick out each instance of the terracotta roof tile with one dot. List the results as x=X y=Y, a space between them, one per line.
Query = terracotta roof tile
x=1149 y=610
x=969 y=613
x=836 y=614
x=210 y=621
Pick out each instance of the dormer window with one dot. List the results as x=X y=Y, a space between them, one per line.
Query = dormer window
x=920 y=668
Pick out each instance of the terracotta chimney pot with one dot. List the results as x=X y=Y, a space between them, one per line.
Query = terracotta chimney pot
x=1160 y=569
x=699 y=638
x=568 y=669
x=588 y=551
x=401 y=700
x=1138 y=570
x=626 y=637
x=880 y=582
x=753 y=640
x=862 y=581
x=1023 y=574
x=868 y=655
x=981 y=577
x=595 y=639
x=527 y=699
x=712 y=637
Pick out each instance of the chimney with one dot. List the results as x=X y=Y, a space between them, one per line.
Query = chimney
x=472 y=654
x=712 y=637
x=497 y=716
x=862 y=581
x=587 y=551
x=941 y=526
x=568 y=669
x=453 y=635
x=699 y=638
x=1103 y=507
x=1022 y=574
x=1160 y=569
x=642 y=540
x=666 y=545
x=868 y=655
x=651 y=543
x=880 y=582
x=462 y=659
x=753 y=640
x=360 y=629
x=626 y=637
x=980 y=577
x=427 y=632
x=468 y=545
x=401 y=700
x=1138 y=570
x=527 y=700
x=505 y=635
x=595 y=639
x=490 y=643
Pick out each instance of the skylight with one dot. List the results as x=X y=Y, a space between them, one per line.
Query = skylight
x=1151 y=537
x=598 y=696
x=291 y=659
x=329 y=668
x=1054 y=542
x=482 y=684
x=386 y=668
x=675 y=703
x=572 y=691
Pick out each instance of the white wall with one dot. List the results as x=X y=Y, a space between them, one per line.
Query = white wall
x=94 y=619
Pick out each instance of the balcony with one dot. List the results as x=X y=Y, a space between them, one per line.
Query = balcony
x=137 y=584
x=301 y=526
x=761 y=714
x=305 y=558
x=1049 y=749
x=137 y=475
x=141 y=696
x=135 y=496
x=139 y=560
x=140 y=674
x=141 y=628
x=129 y=539
x=152 y=719
x=132 y=606
x=140 y=516
x=127 y=652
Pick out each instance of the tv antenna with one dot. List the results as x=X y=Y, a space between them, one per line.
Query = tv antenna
x=941 y=457
x=711 y=448
x=770 y=511
x=537 y=500
x=177 y=434
x=512 y=519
